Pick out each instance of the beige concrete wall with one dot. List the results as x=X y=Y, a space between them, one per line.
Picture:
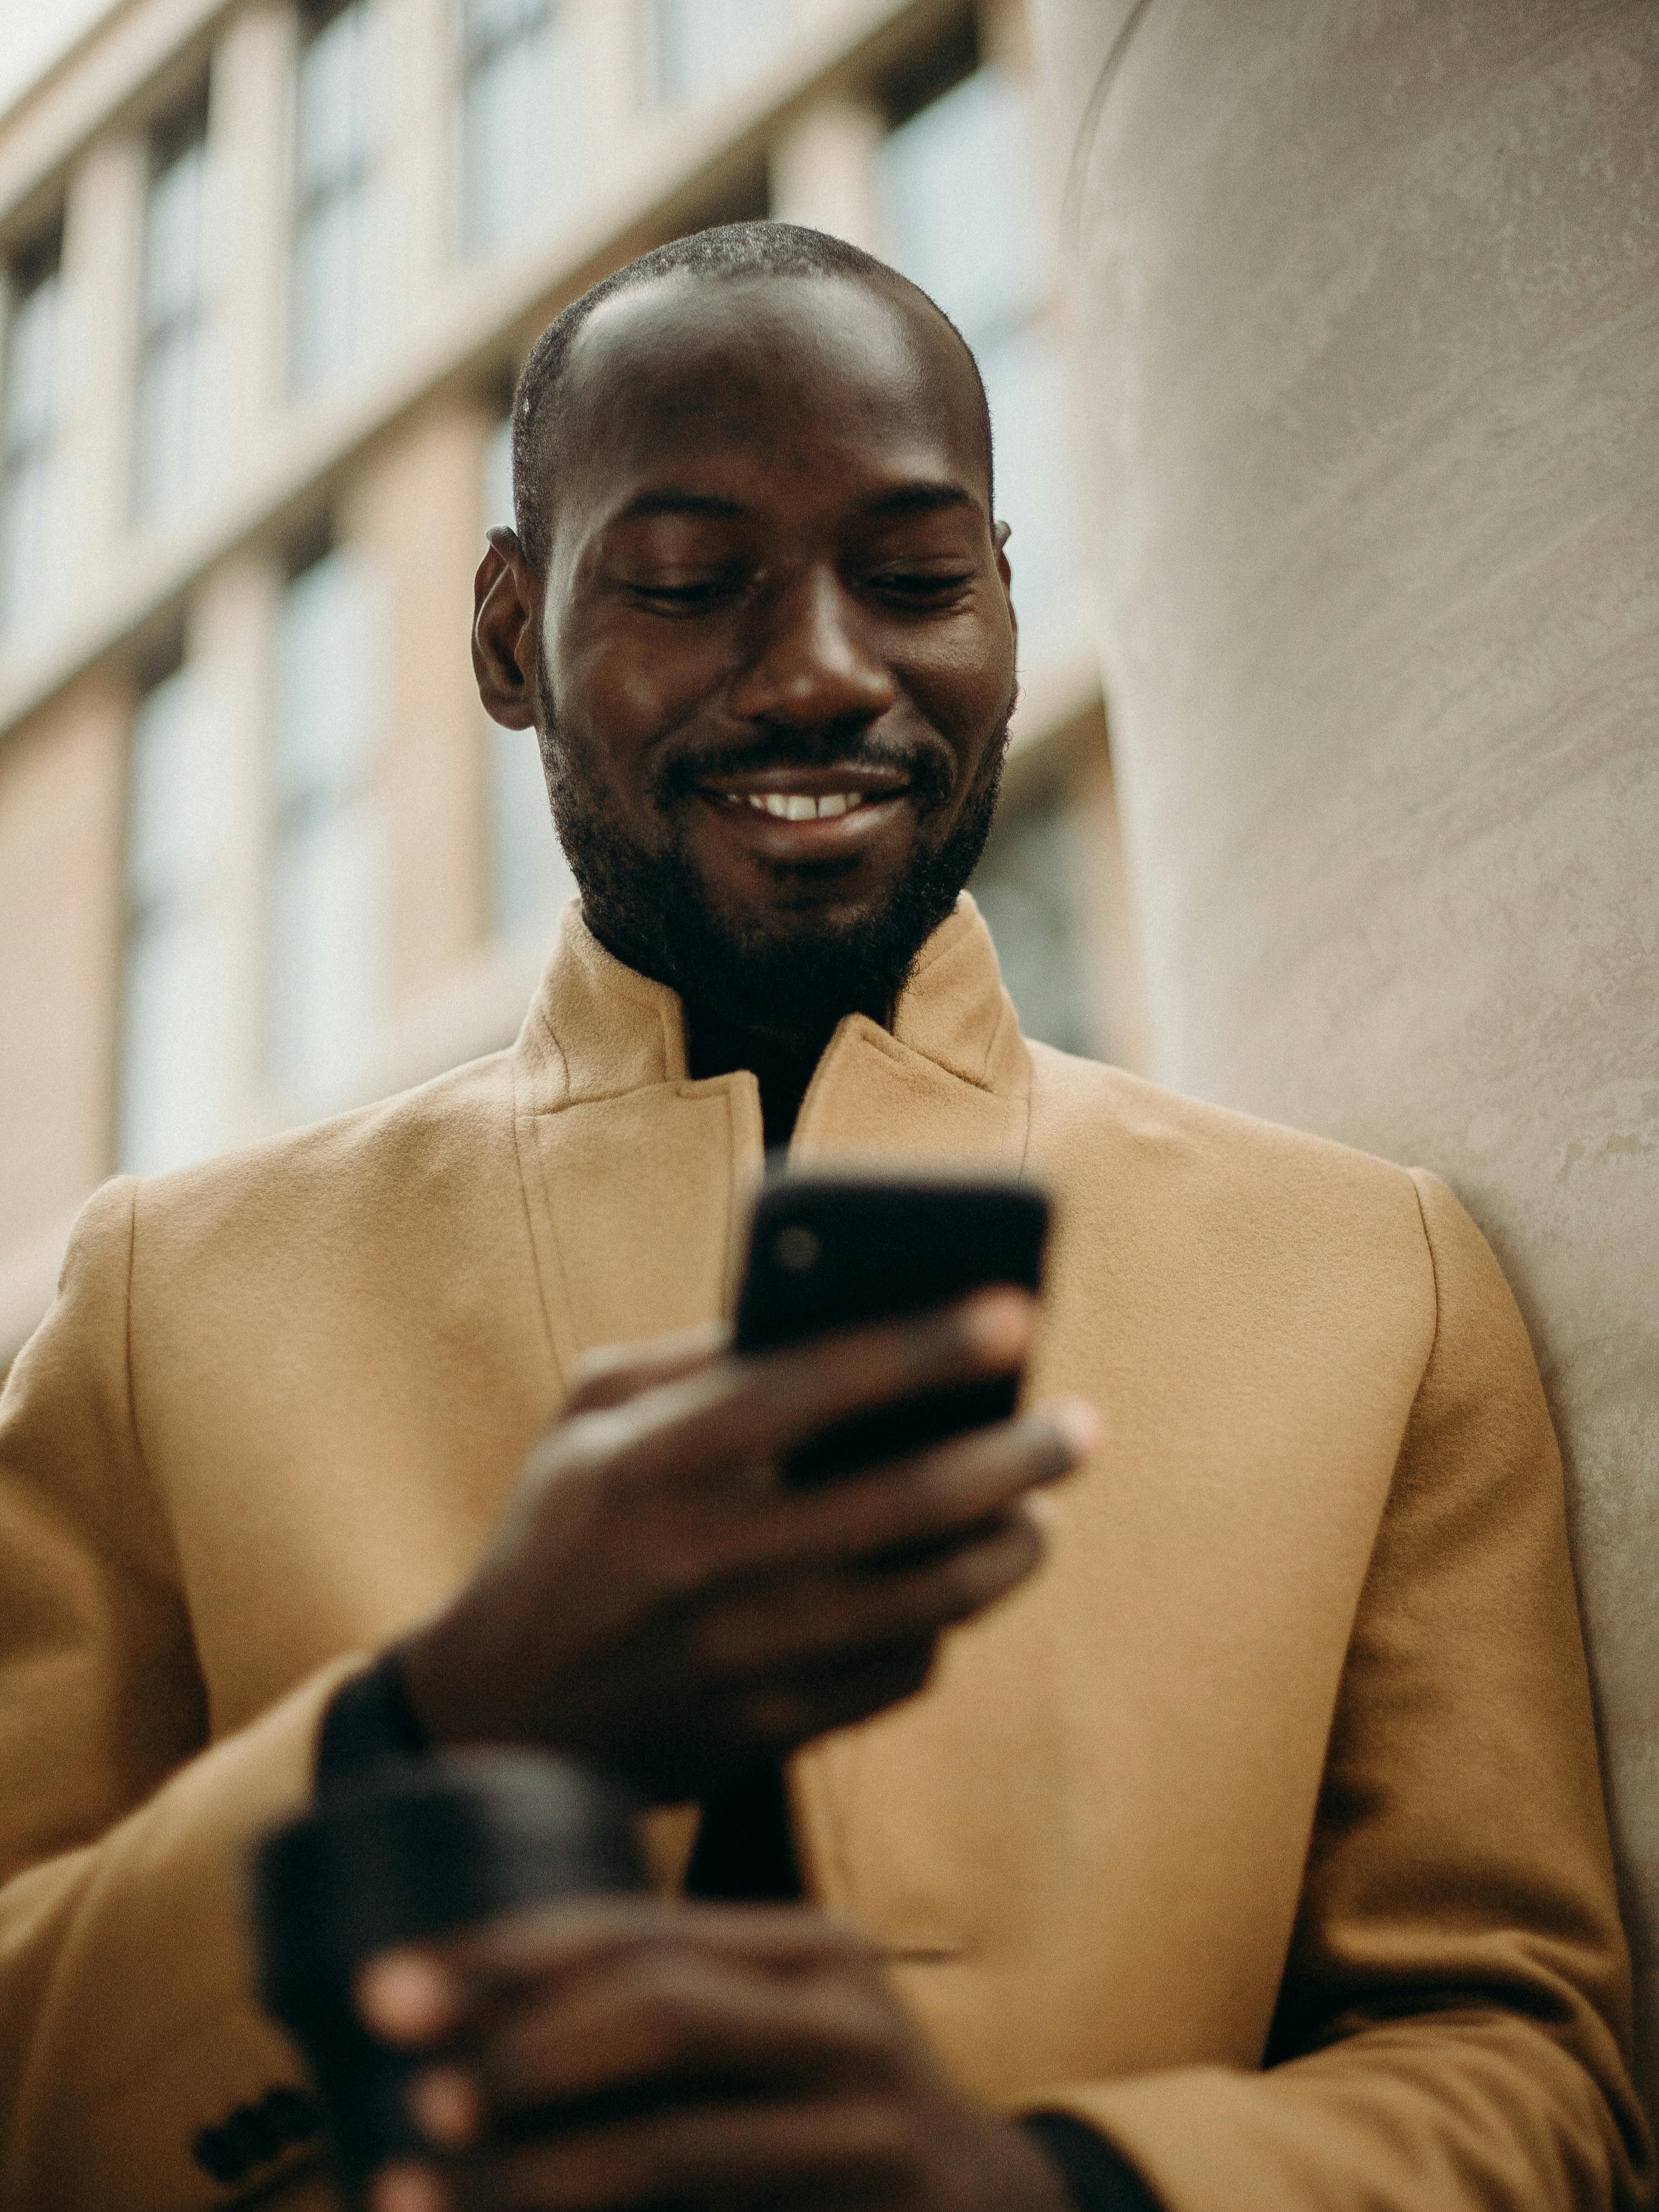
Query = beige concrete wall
x=416 y=514
x=62 y=782
x=1371 y=373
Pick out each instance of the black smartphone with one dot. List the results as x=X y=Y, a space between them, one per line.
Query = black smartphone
x=829 y=1251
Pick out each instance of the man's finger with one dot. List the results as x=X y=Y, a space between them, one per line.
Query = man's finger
x=724 y=2157
x=929 y=1497
x=664 y=2019
x=616 y=1372
x=829 y=1616
x=764 y=1406
x=419 y=1993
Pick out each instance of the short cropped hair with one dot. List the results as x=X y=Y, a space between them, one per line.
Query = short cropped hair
x=731 y=251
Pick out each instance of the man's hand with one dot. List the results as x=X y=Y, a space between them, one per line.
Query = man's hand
x=596 y=2056
x=661 y=1600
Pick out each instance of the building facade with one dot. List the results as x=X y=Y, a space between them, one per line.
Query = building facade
x=270 y=269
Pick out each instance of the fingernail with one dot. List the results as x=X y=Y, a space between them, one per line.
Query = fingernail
x=446 y=2105
x=999 y=1323
x=1079 y=1425
x=405 y=1997
x=408 y=2189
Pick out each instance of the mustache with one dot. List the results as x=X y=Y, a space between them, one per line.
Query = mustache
x=927 y=762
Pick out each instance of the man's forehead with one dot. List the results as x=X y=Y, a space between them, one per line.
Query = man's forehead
x=681 y=367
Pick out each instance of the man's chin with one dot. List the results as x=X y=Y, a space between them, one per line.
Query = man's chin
x=800 y=968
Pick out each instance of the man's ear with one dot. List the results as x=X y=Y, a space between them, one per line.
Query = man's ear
x=1000 y=535
x=506 y=613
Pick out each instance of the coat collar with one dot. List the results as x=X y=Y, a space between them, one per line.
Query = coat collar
x=598 y=1029
x=638 y=1180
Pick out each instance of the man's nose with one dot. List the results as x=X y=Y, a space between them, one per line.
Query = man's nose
x=810 y=660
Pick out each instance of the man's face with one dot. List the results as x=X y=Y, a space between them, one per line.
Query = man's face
x=776 y=651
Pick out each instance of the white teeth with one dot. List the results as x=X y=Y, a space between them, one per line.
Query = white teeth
x=801 y=806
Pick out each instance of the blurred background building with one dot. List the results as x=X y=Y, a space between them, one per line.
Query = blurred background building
x=270 y=269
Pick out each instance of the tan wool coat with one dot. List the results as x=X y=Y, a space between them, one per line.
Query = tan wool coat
x=1285 y=1754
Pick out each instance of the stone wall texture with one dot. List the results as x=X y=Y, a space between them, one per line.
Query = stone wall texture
x=1369 y=371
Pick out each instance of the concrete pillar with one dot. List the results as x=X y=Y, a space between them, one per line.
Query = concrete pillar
x=103 y=235
x=823 y=170
x=414 y=516
x=611 y=59
x=1370 y=301
x=420 y=156
x=248 y=138
x=61 y=802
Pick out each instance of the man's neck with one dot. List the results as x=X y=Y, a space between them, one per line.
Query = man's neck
x=782 y=1064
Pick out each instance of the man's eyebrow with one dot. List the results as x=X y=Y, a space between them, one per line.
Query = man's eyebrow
x=922 y=498
x=668 y=500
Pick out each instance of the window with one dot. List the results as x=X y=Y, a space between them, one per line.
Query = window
x=521 y=125
x=172 y=318
x=530 y=879
x=327 y=913
x=174 y=1091
x=700 y=47
x=960 y=207
x=29 y=431
x=335 y=272
x=1029 y=886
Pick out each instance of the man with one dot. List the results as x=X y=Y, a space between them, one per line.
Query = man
x=1247 y=1852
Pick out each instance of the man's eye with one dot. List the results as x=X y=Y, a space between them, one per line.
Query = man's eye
x=688 y=598
x=921 y=587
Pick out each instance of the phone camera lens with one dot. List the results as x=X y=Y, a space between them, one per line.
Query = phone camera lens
x=797 y=1249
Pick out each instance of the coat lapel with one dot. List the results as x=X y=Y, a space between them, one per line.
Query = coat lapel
x=950 y=1079
x=635 y=1178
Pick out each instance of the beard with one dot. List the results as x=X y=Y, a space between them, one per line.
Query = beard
x=655 y=910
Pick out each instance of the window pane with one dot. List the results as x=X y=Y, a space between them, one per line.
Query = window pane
x=31 y=364
x=28 y=519
x=498 y=476
x=26 y=524
x=174 y=1032
x=490 y=23
x=176 y=807
x=1027 y=888
x=176 y=1000
x=330 y=274
x=960 y=205
x=530 y=879
x=327 y=921
x=327 y=915
x=173 y=240
x=1024 y=383
x=326 y=675
x=523 y=128
x=703 y=47
x=167 y=428
x=331 y=103
x=336 y=271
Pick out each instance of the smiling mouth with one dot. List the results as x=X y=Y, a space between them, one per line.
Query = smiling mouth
x=810 y=794
x=797 y=805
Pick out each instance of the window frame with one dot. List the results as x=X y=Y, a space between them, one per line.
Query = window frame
x=182 y=135
x=34 y=454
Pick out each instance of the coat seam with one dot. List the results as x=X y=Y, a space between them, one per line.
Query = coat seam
x=525 y=1207
x=1434 y=1285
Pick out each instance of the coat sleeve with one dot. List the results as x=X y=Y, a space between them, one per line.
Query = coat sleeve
x=135 y=2067
x=1453 y=2031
